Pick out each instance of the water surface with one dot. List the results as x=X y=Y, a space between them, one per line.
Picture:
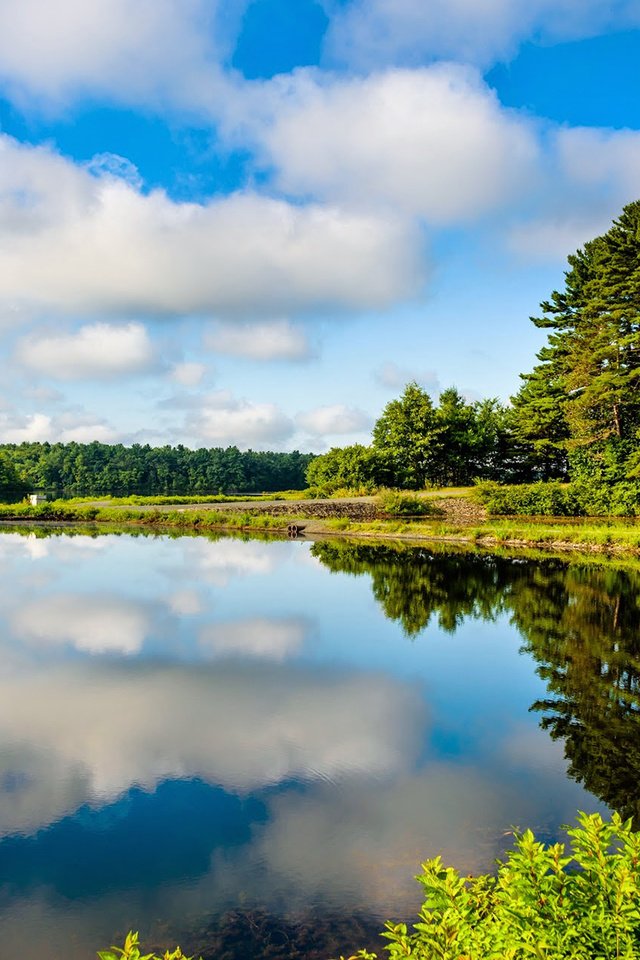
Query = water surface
x=250 y=746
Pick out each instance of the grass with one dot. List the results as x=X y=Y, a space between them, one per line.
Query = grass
x=178 y=499
x=607 y=535
x=63 y=512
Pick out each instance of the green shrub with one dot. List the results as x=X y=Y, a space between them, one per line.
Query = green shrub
x=542 y=903
x=131 y=951
x=550 y=499
x=394 y=503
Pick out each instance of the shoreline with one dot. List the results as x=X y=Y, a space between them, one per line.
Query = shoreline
x=490 y=535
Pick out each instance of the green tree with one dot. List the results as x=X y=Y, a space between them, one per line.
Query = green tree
x=11 y=485
x=584 y=397
x=352 y=466
x=408 y=434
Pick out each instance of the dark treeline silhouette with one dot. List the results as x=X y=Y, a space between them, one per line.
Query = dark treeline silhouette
x=74 y=469
x=579 y=621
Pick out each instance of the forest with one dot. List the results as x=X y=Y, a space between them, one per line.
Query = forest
x=87 y=469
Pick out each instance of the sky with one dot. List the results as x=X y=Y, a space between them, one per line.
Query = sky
x=252 y=222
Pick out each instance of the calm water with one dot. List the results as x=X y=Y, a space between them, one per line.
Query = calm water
x=250 y=746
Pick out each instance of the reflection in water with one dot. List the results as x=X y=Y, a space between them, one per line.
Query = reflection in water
x=412 y=584
x=581 y=623
x=228 y=737
x=584 y=631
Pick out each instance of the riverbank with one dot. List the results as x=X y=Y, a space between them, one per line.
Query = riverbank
x=456 y=519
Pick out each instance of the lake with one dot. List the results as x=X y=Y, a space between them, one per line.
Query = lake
x=249 y=746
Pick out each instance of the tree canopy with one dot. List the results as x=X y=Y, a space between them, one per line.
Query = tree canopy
x=100 y=468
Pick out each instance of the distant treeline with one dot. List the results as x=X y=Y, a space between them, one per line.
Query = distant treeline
x=76 y=469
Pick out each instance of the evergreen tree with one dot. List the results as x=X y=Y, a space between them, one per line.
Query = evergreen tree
x=583 y=398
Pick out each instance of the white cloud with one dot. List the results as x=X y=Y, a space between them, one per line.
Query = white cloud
x=368 y=33
x=590 y=174
x=554 y=236
x=65 y=428
x=73 y=241
x=433 y=142
x=590 y=155
x=188 y=374
x=98 y=351
x=92 y=623
x=270 y=340
x=154 y=52
x=396 y=377
x=222 y=420
x=334 y=418
x=261 y=638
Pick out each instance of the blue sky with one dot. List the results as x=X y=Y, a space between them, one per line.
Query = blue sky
x=254 y=221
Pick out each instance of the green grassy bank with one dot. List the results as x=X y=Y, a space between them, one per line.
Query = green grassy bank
x=608 y=535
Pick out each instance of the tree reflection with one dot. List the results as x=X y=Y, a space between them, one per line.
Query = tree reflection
x=585 y=636
x=580 y=621
x=414 y=584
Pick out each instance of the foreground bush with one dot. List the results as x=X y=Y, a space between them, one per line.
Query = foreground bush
x=544 y=903
x=131 y=951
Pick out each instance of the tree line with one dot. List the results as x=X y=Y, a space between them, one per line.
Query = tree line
x=74 y=469
x=576 y=415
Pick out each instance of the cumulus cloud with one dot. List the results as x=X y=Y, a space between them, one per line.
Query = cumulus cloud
x=591 y=173
x=74 y=241
x=367 y=33
x=269 y=340
x=92 y=623
x=154 y=52
x=64 y=428
x=433 y=142
x=99 y=351
x=592 y=155
x=334 y=418
x=222 y=420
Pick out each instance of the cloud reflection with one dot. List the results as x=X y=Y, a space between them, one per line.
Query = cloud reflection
x=238 y=726
x=92 y=623
x=262 y=638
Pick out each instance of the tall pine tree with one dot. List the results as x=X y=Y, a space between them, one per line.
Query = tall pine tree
x=584 y=396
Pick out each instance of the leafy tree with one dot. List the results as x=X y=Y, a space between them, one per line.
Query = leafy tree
x=11 y=486
x=352 y=466
x=408 y=433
